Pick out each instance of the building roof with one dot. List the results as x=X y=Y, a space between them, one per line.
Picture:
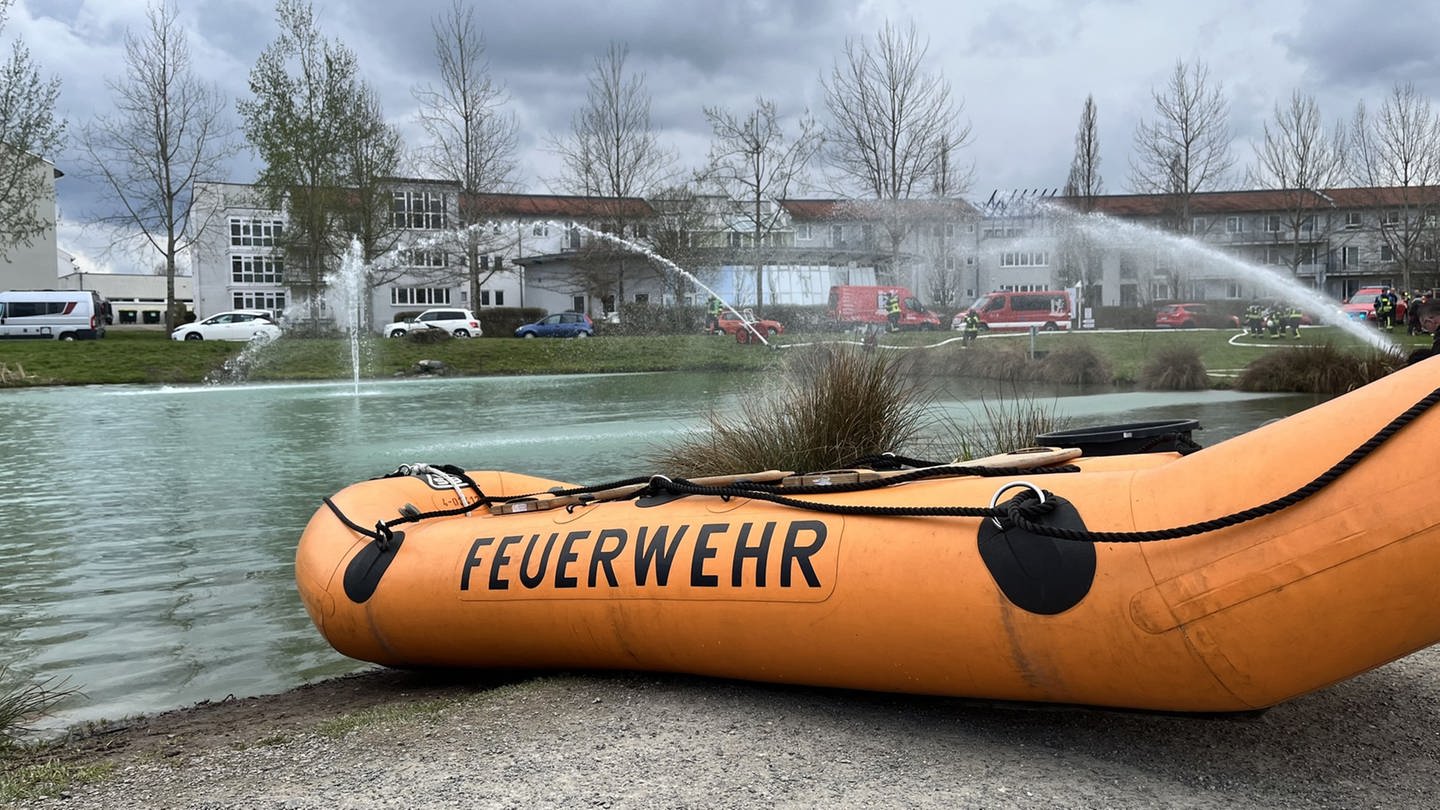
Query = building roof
x=836 y=209
x=545 y=206
x=1239 y=202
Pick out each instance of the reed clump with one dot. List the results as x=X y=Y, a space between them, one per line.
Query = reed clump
x=832 y=405
x=1003 y=425
x=22 y=702
x=1073 y=364
x=1175 y=368
x=1010 y=362
x=1320 y=369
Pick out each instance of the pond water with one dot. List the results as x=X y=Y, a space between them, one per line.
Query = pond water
x=150 y=531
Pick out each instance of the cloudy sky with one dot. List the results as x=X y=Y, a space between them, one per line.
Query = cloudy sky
x=1022 y=68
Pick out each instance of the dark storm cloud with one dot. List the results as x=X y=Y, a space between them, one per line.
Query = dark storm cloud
x=1357 y=46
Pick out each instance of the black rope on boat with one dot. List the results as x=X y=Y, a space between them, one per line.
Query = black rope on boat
x=383 y=533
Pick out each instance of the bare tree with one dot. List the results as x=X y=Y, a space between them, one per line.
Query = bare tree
x=1084 y=183
x=612 y=152
x=753 y=161
x=682 y=232
x=374 y=151
x=1080 y=257
x=1396 y=155
x=28 y=132
x=1186 y=149
x=168 y=131
x=472 y=142
x=894 y=128
x=308 y=113
x=1300 y=160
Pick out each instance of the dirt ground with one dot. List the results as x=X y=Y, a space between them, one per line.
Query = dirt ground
x=393 y=739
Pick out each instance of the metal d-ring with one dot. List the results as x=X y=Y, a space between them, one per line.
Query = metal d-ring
x=994 y=499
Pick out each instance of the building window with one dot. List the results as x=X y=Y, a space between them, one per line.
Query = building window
x=272 y=301
x=1198 y=225
x=246 y=232
x=1234 y=225
x=1272 y=223
x=802 y=231
x=950 y=263
x=837 y=236
x=1390 y=219
x=1387 y=253
x=642 y=298
x=1350 y=257
x=257 y=270
x=418 y=210
x=1232 y=289
x=421 y=296
x=577 y=303
x=540 y=229
x=1025 y=258
x=949 y=230
x=734 y=239
x=426 y=258
x=1352 y=219
x=1307 y=225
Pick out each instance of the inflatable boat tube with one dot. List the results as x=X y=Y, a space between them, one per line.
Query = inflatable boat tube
x=1232 y=578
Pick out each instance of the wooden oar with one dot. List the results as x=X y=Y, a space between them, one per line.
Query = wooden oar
x=1027 y=458
x=544 y=501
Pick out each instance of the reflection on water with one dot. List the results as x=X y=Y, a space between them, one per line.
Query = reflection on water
x=150 y=531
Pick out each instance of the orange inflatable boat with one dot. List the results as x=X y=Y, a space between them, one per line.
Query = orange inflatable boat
x=1231 y=578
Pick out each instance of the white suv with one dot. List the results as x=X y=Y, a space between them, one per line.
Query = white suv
x=458 y=322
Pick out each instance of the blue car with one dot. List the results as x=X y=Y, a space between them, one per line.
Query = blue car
x=561 y=324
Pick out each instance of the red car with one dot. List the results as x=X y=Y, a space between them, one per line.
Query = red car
x=1191 y=316
x=1361 y=305
x=729 y=324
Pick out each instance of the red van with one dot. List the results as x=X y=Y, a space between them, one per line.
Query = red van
x=1048 y=310
x=855 y=304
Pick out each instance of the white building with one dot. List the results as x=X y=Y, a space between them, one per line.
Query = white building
x=35 y=265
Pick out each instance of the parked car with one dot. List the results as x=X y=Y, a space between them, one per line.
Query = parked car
x=53 y=315
x=1193 y=316
x=1005 y=310
x=236 y=324
x=561 y=324
x=1361 y=305
x=730 y=324
x=458 y=322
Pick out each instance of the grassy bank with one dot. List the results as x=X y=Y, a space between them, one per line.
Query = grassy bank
x=150 y=357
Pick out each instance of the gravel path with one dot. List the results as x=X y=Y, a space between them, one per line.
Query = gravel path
x=386 y=739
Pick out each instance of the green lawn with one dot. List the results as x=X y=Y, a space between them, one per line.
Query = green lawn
x=150 y=357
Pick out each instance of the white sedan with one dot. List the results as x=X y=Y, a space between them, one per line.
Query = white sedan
x=238 y=324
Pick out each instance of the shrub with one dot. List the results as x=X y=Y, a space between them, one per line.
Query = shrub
x=833 y=405
x=1322 y=369
x=503 y=321
x=1074 y=364
x=1176 y=368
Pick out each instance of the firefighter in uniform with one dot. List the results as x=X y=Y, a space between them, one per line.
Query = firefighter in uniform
x=972 y=327
x=892 y=310
x=712 y=325
x=1292 y=321
x=1385 y=309
x=1254 y=319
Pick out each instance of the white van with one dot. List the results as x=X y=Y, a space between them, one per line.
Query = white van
x=53 y=315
